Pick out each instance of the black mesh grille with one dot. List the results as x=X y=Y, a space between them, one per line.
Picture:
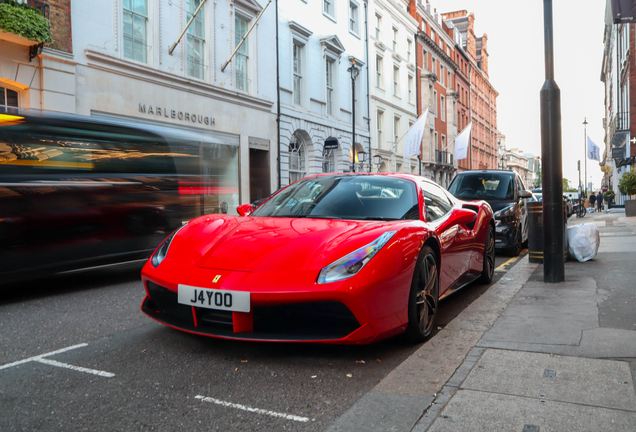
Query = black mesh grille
x=165 y=301
x=321 y=320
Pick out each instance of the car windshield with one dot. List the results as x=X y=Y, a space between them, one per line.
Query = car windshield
x=483 y=186
x=368 y=197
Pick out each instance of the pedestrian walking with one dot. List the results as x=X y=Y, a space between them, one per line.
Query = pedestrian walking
x=593 y=201
x=599 y=201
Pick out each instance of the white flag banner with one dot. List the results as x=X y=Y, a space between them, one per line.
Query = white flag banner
x=461 y=143
x=413 y=144
x=593 y=152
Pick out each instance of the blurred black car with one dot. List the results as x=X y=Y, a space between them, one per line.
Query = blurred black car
x=79 y=192
x=507 y=195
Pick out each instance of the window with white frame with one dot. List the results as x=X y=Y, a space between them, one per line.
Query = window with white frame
x=434 y=65
x=328 y=161
x=396 y=81
x=296 y=159
x=353 y=17
x=328 y=8
x=435 y=140
x=297 y=59
x=8 y=100
x=379 y=64
x=395 y=38
x=410 y=88
x=241 y=25
x=409 y=48
x=442 y=77
x=329 y=83
x=379 y=127
x=136 y=30
x=443 y=108
x=435 y=106
x=378 y=27
x=424 y=59
x=430 y=97
x=195 y=55
x=449 y=79
x=396 y=133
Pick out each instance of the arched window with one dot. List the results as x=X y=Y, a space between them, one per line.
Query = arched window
x=297 y=168
x=328 y=161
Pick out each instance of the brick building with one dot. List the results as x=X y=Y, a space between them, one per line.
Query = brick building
x=35 y=73
x=482 y=97
x=436 y=68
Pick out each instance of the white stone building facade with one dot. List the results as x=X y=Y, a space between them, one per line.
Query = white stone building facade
x=393 y=87
x=318 y=42
x=125 y=70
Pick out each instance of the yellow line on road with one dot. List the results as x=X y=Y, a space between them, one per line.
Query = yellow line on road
x=511 y=260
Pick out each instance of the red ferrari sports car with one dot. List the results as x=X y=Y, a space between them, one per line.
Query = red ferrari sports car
x=333 y=258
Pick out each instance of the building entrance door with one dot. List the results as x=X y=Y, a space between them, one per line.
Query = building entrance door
x=259 y=174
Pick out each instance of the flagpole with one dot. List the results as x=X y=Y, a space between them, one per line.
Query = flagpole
x=585 y=148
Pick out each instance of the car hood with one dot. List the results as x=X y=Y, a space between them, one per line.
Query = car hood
x=263 y=244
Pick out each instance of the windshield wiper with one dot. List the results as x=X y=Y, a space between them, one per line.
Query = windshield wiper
x=316 y=217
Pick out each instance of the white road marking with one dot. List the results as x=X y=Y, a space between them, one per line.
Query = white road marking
x=75 y=368
x=41 y=359
x=254 y=410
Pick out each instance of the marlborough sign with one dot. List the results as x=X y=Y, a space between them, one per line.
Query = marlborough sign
x=184 y=116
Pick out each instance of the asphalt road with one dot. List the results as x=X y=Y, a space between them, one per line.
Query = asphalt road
x=76 y=353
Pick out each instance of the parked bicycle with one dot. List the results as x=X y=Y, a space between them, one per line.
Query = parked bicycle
x=579 y=208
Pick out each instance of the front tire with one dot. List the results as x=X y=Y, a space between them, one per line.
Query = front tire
x=489 y=257
x=424 y=297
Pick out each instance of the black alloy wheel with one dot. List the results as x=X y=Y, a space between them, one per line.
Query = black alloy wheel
x=489 y=257
x=424 y=297
x=515 y=249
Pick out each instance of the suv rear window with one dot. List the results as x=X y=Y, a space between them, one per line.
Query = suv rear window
x=483 y=186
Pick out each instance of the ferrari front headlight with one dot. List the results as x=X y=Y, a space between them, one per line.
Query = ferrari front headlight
x=162 y=250
x=351 y=264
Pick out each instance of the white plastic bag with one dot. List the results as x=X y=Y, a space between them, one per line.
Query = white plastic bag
x=583 y=241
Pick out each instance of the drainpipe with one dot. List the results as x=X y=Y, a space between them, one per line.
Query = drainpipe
x=366 y=42
x=470 y=113
x=278 y=99
x=417 y=98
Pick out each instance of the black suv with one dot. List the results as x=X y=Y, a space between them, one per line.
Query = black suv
x=507 y=195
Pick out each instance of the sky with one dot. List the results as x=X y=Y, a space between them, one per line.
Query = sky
x=517 y=71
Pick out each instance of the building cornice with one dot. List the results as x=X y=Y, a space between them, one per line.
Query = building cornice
x=436 y=49
x=106 y=63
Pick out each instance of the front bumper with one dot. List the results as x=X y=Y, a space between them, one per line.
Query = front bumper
x=505 y=235
x=313 y=321
x=346 y=312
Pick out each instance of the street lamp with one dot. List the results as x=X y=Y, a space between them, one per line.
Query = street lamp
x=354 y=71
x=362 y=158
x=377 y=159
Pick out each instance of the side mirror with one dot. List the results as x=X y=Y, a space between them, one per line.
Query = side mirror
x=525 y=194
x=463 y=216
x=245 y=209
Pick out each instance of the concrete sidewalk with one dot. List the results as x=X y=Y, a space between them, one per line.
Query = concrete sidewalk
x=526 y=356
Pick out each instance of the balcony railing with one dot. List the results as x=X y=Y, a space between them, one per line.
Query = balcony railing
x=620 y=122
x=36 y=5
x=443 y=157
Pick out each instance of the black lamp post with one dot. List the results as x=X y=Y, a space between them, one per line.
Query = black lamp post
x=354 y=71
x=377 y=159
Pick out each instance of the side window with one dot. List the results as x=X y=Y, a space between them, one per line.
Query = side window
x=520 y=186
x=436 y=202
